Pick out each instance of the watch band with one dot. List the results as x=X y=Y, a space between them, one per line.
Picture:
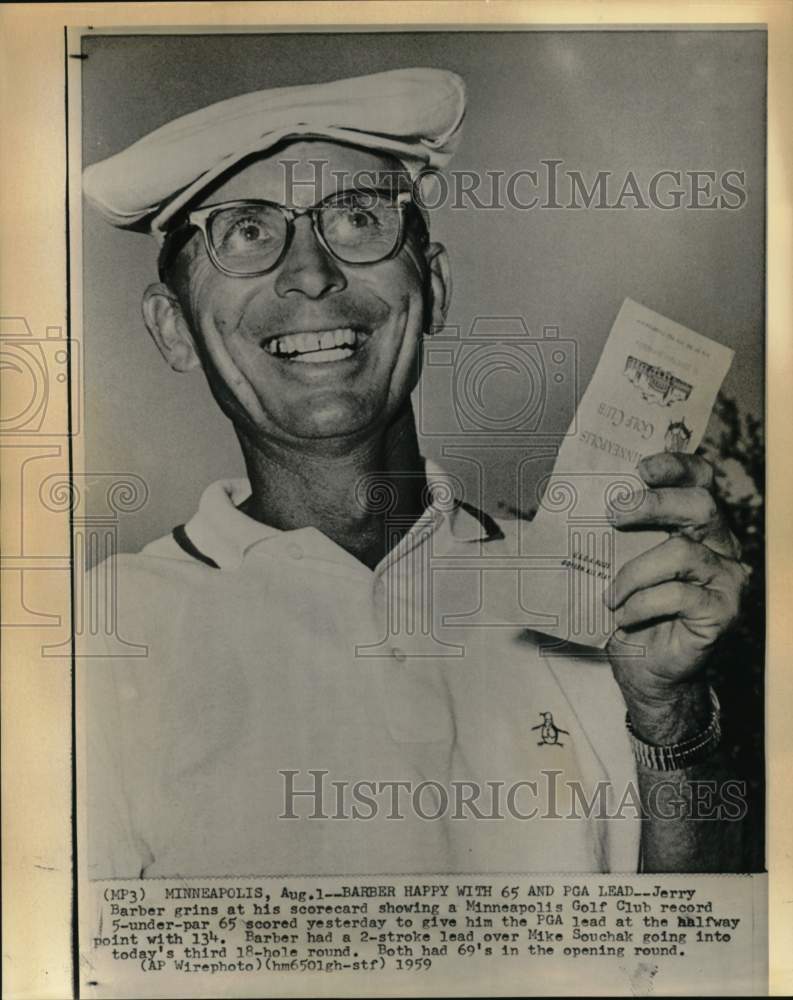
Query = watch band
x=676 y=756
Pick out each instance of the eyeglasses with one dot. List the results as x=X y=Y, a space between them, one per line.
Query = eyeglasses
x=250 y=238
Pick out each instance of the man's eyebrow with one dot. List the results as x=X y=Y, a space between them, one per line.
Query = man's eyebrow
x=363 y=189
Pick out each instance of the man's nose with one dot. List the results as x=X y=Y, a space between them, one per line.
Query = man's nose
x=307 y=267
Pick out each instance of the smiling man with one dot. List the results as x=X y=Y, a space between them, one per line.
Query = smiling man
x=312 y=700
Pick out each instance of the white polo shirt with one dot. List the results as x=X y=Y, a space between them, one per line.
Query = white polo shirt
x=275 y=660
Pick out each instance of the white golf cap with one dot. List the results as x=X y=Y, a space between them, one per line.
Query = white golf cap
x=412 y=114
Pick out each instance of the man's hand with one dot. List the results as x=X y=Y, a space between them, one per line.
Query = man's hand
x=674 y=601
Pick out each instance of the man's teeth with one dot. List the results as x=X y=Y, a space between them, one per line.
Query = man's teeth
x=324 y=345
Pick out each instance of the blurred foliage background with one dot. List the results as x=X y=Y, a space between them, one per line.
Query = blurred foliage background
x=735 y=445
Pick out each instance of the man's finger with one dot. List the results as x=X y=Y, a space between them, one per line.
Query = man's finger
x=668 y=600
x=676 y=558
x=688 y=510
x=675 y=468
x=668 y=509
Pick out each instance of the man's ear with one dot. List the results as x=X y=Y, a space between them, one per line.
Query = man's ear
x=165 y=321
x=440 y=282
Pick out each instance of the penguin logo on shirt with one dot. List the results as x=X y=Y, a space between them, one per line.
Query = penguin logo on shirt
x=549 y=731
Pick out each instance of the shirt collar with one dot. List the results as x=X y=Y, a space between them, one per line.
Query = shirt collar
x=223 y=534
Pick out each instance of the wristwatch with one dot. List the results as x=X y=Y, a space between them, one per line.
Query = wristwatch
x=676 y=756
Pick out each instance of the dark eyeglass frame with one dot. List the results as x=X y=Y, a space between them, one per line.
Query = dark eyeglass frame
x=201 y=219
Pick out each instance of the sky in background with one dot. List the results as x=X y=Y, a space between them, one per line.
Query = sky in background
x=612 y=101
